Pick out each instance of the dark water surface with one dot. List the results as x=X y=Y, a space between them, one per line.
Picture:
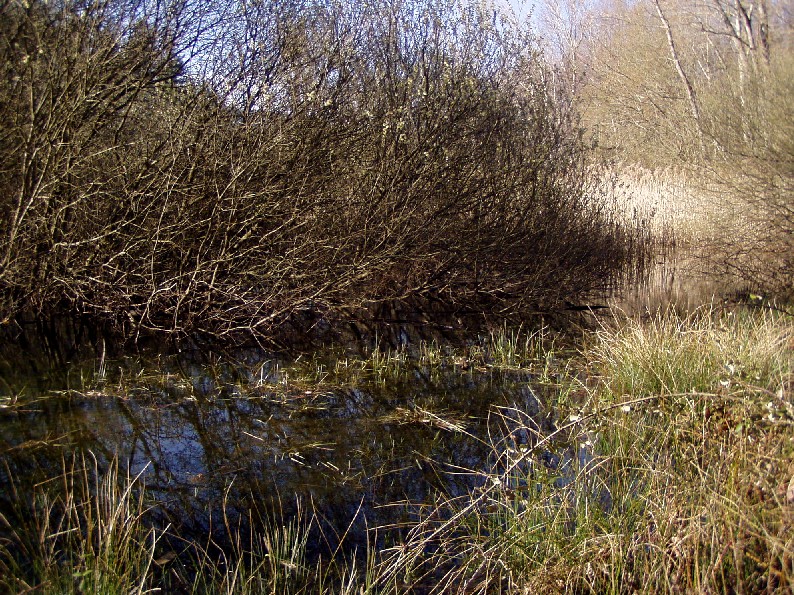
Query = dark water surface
x=206 y=446
x=213 y=442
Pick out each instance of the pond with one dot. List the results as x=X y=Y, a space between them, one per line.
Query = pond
x=210 y=441
x=363 y=440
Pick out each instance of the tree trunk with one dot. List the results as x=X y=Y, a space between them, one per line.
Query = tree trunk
x=690 y=90
x=763 y=30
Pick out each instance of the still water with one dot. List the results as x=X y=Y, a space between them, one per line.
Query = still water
x=214 y=441
x=210 y=441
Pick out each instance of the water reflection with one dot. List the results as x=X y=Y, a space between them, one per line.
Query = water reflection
x=676 y=281
x=206 y=451
x=213 y=441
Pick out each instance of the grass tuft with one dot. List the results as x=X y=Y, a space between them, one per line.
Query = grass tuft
x=708 y=351
x=670 y=476
x=84 y=534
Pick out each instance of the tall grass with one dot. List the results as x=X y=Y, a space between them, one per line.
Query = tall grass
x=86 y=531
x=81 y=532
x=670 y=477
x=667 y=468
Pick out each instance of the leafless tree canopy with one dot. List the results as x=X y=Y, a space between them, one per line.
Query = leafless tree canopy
x=705 y=87
x=189 y=167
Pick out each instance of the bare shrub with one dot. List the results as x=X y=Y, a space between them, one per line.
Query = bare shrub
x=752 y=170
x=715 y=105
x=222 y=170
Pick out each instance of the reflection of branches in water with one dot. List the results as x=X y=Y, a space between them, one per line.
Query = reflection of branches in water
x=342 y=448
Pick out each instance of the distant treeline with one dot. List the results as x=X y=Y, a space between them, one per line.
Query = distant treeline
x=705 y=89
x=221 y=168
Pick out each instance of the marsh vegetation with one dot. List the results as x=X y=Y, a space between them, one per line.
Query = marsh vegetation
x=654 y=457
x=311 y=297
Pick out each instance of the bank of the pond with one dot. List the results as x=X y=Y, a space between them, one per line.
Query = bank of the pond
x=655 y=458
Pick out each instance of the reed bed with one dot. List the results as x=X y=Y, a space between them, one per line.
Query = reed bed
x=667 y=201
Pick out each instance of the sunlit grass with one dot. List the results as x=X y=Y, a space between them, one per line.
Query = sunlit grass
x=663 y=465
x=669 y=475
x=508 y=348
x=709 y=350
x=503 y=349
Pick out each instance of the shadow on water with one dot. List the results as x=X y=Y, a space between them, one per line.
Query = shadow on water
x=209 y=450
x=214 y=442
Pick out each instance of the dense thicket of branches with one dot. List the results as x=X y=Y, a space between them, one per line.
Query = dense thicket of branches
x=218 y=168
